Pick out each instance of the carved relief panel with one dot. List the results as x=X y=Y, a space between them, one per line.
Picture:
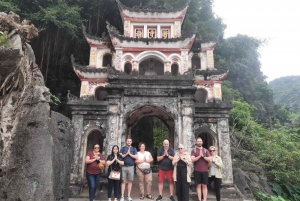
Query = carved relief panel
x=93 y=56
x=127 y=28
x=177 y=29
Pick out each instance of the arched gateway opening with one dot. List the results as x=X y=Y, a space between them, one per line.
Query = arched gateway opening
x=151 y=125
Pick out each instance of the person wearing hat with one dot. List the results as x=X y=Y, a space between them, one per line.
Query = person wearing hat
x=182 y=173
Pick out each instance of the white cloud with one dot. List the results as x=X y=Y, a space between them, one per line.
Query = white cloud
x=274 y=20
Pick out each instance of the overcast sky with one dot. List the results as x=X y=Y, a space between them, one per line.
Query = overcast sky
x=278 y=21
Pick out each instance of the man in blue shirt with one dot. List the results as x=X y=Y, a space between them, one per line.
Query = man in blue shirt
x=129 y=154
x=165 y=156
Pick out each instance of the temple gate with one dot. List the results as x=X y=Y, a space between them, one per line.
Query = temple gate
x=152 y=70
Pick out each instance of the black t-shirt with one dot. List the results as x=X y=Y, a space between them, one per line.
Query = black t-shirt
x=165 y=163
x=115 y=166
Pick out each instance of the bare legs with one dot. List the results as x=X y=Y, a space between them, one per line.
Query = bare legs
x=204 y=191
x=160 y=188
x=129 y=186
x=171 y=186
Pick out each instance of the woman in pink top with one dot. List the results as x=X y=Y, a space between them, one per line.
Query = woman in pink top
x=93 y=172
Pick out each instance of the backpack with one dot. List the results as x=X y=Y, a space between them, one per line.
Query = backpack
x=195 y=150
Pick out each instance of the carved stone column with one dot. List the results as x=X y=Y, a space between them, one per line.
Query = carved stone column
x=75 y=181
x=186 y=137
x=225 y=153
x=210 y=59
x=114 y=106
x=135 y=64
x=118 y=58
x=168 y=67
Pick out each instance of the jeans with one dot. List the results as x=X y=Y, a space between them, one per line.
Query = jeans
x=93 y=180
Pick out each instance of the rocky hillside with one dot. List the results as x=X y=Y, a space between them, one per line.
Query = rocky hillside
x=286 y=92
x=35 y=143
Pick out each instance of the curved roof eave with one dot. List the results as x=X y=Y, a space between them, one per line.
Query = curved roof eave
x=93 y=39
x=87 y=72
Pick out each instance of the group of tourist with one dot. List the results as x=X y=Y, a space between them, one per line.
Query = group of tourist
x=176 y=167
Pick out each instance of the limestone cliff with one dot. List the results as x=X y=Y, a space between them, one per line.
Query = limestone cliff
x=35 y=144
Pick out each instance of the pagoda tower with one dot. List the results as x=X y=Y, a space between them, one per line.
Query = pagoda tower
x=149 y=70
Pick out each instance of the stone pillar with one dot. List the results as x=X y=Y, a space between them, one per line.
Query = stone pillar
x=127 y=28
x=75 y=177
x=93 y=56
x=158 y=31
x=168 y=66
x=187 y=137
x=135 y=64
x=210 y=59
x=217 y=92
x=177 y=30
x=118 y=58
x=114 y=106
x=225 y=153
x=145 y=31
x=203 y=60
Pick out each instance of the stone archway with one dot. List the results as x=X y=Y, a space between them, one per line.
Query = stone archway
x=93 y=136
x=208 y=136
x=146 y=111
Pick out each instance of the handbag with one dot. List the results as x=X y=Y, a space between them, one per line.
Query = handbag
x=101 y=166
x=115 y=175
x=145 y=171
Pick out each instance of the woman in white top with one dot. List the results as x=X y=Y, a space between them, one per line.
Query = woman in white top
x=214 y=173
x=143 y=164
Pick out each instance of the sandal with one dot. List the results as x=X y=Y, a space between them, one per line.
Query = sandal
x=142 y=197
x=149 y=196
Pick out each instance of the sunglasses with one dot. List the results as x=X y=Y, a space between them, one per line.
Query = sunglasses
x=180 y=148
x=211 y=150
x=96 y=147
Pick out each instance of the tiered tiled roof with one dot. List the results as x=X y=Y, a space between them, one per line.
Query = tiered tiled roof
x=153 y=7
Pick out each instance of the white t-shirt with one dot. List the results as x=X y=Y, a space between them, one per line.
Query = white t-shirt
x=141 y=156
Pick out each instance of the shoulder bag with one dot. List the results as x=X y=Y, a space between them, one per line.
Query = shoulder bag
x=115 y=175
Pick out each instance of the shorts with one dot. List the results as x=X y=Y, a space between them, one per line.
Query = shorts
x=165 y=173
x=128 y=173
x=201 y=178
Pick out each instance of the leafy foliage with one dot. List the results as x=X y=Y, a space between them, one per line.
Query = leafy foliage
x=284 y=89
x=60 y=36
x=3 y=40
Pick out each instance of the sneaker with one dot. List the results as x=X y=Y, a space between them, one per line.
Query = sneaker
x=159 y=198
x=129 y=198
x=122 y=198
x=172 y=198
